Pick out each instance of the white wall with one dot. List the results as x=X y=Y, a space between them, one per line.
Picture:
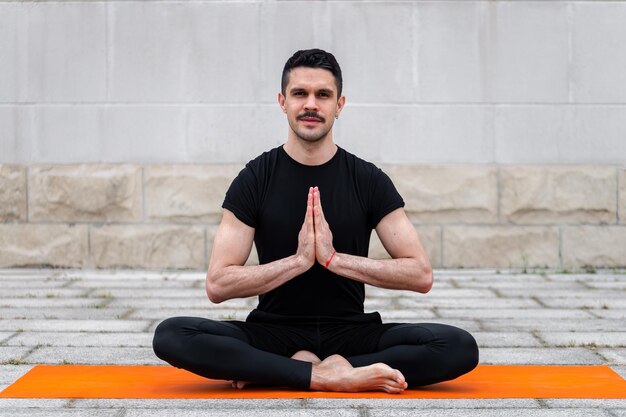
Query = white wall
x=504 y=82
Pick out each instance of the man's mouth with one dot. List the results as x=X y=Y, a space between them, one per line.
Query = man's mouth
x=311 y=118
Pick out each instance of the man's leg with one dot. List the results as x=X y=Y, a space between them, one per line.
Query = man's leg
x=424 y=353
x=220 y=350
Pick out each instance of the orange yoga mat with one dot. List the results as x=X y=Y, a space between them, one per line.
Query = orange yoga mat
x=486 y=381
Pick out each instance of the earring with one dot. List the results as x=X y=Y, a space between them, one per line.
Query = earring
x=337 y=116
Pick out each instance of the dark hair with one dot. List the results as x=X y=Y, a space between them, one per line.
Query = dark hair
x=312 y=58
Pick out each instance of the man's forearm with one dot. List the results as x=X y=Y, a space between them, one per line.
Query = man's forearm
x=397 y=274
x=250 y=280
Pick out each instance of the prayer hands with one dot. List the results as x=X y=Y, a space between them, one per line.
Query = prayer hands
x=315 y=240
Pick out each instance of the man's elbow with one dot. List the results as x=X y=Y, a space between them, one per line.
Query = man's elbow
x=213 y=290
x=424 y=279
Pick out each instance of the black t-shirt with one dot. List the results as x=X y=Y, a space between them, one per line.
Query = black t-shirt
x=270 y=195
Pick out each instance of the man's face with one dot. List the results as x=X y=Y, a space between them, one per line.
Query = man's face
x=311 y=102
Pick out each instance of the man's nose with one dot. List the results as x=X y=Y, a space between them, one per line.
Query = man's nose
x=311 y=103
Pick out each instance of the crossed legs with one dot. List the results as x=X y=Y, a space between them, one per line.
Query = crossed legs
x=407 y=355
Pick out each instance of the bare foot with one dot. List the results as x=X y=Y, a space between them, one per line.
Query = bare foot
x=302 y=355
x=306 y=356
x=336 y=374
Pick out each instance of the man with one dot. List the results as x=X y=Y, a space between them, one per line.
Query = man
x=310 y=207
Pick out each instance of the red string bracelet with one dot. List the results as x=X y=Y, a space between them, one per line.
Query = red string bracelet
x=330 y=259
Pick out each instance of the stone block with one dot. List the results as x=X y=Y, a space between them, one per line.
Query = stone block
x=622 y=195
x=172 y=52
x=66 y=57
x=430 y=237
x=526 y=51
x=60 y=133
x=598 y=62
x=417 y=134
x=231 y=134
x=500 y=247
x=151 y=247
x=448 y=36
x=539 y=356
x=9 y=51
x=444 y=194
x=377 y=37
x=594 y=246
x=143 y=133
x=9 y=120
x=80 y=193
x=12 y=193
x=187 y=193
x=572 y=194
x=34 y=245
x=597 y=136
x=531 y=134
x=95 y=355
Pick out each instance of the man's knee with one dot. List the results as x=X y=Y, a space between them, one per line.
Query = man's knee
x=463 y=351
x=166 y=337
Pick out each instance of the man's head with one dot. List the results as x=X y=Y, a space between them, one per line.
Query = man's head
x=312 y=58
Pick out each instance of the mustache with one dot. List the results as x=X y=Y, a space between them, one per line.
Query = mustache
x=311 y=114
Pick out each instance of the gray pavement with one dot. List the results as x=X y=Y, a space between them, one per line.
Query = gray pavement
x=107 y=317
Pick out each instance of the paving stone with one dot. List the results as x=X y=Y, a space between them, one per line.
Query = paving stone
x=559 y=293
x=414 y=315
x=584 y=339
x=12 y=353
x=160 y=314
x=51 y=302
x=41 y=292
x=591 y=301
x=10 y=373
x=616 y=356
x=133 y=282
x=188 y=404
x=29 y=412
x=621 y=370
x=187 y=293
x=498 y=413
x=583 y=403
x=560 y=325
x=503 y=339
x=82 y=339
x=479 y=313
x=468 y=303
x=62 y=313
x=249 y=412
x=196 y=303
x=609 y=314
x=32 y=403
x=5 y=335
x=539 y=356
x=74 y=325
x=95 y=355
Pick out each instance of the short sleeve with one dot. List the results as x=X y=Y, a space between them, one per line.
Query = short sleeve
x=242 y=197
x=384 y=197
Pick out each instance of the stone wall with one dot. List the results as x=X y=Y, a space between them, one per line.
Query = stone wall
x=165 y=216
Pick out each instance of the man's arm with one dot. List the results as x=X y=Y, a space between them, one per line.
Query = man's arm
x=227 y=276
x=408 y=270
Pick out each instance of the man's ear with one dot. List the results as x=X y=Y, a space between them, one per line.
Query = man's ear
x=281 y=102
x=340 y=103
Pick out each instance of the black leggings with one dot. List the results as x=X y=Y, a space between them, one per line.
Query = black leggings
x=424 y=353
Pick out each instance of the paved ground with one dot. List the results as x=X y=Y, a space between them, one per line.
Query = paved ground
x=105 y=317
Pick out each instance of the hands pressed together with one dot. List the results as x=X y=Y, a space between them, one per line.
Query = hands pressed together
x=315 y=240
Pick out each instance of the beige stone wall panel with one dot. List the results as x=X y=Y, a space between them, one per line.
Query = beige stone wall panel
x=150 y=247
x=500 y=247
x=85 y=193
x=12 y=193
x=187 y=193
x=35 y=245
x=430 y=236
x=544 y=195
x=594 y=246
x=445 y=194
